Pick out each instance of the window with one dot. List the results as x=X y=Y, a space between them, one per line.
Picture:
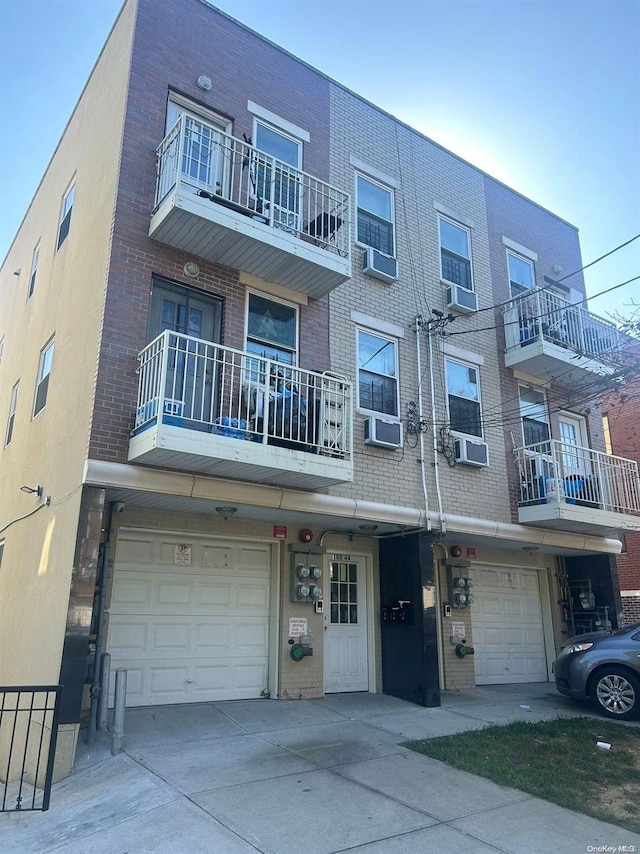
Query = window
x=65 y=215
x=377 y=373
x=463 y=396
x=12 y=414
x=455 y=254
x=277 y=185
x=375 y=215
x=34 y=270
x=1 y=552
x=272 y=329
x=535 y=419
x=44 y=370
x=606 y=429
x=521 y=275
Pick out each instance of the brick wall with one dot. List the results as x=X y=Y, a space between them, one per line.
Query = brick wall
x=623 y=411
x=175 y=42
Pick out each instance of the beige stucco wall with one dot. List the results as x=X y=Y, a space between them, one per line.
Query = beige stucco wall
x=66 y=305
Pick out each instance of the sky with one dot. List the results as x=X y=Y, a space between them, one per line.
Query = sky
x=542 y=94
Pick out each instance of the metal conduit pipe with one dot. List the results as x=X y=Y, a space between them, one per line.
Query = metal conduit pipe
x=102 y=591
x=418 y=325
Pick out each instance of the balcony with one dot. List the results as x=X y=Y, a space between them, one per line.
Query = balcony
x=551 y=338
x=220 y=198
x=576 y=489
x=207 y=408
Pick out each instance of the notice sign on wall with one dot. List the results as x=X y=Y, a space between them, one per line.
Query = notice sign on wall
x=183 y=554
x=457 y=630
x=297 y=627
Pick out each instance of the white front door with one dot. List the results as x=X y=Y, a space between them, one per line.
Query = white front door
x=346 y=665
x=202 y=158
x=573 y=435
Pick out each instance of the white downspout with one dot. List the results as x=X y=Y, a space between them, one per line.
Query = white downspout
x=425 y=492
x=443 y=521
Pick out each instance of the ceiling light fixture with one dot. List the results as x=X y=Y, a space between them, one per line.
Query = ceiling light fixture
x=368 y=529
x=226 y=512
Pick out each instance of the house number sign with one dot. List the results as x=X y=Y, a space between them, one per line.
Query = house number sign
x=341 y=557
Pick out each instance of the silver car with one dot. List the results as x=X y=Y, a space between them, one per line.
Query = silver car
x=604 y=669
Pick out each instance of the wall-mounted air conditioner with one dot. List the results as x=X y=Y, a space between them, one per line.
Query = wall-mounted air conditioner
x=471 y=452
x=378 y=265
x=462 y=299
x=383 y=433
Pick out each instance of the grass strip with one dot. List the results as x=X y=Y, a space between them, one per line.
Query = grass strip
x=557 y=761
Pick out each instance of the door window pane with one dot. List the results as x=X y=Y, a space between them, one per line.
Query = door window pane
x=344 y=593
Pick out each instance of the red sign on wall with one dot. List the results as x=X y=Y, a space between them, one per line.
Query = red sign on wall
x=280 y=532
x=471 y=552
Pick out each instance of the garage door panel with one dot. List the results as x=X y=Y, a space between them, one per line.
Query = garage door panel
x=191 y=633
x=129 y=637
x=507 y=626
x=136 y=551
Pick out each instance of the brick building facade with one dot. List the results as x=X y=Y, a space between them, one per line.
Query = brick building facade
x=303 y=392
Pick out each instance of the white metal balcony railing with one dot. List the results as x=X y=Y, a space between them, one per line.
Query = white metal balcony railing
x=546 y=316
x=233 y=173
x=557 y=472
x=218 y=390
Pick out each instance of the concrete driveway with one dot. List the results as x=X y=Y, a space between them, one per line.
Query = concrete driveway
x=304 y=777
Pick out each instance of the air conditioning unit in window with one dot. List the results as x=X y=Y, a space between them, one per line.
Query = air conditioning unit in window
x=471 y=452
x=383 y=433
x=378 y=265
x=462 y=299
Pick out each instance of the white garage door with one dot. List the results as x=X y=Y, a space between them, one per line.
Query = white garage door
x=189 y=618
x=508 y=635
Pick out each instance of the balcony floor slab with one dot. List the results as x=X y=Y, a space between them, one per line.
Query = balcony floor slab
x=583 y=520
x=171 y=447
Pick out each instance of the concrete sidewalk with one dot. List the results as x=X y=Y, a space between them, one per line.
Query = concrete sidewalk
x=304 y=777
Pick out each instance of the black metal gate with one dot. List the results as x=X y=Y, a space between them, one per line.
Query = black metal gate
x=28 y=736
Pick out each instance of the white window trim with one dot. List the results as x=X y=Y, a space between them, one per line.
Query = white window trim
x=272 y=298
x=455 y=216
x=376 y=325
x=285 y=134
x=520 y=257
x=278 y=122
x=522 y=387
x=391 y=192
x=519 y=249
x=367 y=170
x=184 y=105
x=466 y=228
x=50 y=345
x=13 y=406
x=461 y=355
x=455 y=432
x=361 y=409
x=35 y=260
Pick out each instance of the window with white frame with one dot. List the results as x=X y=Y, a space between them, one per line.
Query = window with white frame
x=65 y=215
x=272 y=329
x=521 y=274
x=463 y=398
x=375 y=215
x=277 y=184
x=455 y=253
x=34 y=271
x=535 y=417
x=12 y=414
x=377 y=373
x=44 y=370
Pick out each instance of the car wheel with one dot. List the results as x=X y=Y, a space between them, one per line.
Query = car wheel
x=616 y=693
